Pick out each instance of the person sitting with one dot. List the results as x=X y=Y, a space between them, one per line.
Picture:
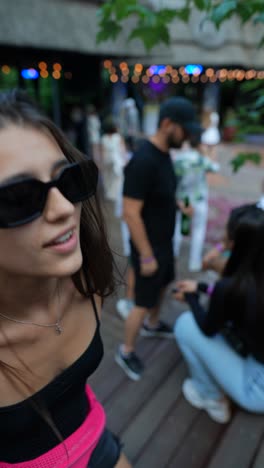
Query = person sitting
x=218 y=370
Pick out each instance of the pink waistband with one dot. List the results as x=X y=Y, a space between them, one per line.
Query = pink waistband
x=80 y=444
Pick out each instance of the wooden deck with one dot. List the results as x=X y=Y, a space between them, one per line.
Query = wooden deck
x=159 y=429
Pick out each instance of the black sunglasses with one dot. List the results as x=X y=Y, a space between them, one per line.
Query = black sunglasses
x=22 y=202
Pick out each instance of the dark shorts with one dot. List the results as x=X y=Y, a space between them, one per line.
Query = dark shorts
x=107 y=452
x=148 y=289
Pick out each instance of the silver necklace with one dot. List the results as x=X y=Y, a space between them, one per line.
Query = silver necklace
x=56 y=325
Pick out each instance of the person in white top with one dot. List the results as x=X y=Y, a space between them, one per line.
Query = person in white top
x=211 y=136
x=113 y=161
x=191 y=167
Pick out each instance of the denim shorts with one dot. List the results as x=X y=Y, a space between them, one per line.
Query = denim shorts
x=107 y=452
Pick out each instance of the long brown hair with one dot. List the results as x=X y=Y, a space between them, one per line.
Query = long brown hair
x=96 y=273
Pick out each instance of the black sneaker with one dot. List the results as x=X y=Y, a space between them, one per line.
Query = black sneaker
x=131 y=364
x=163 y=330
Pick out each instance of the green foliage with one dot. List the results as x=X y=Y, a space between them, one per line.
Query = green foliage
x=242 y=158
x=152 y=26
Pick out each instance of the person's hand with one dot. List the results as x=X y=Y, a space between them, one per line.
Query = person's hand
x=209 y=257
x=179 y=296
x=187 y=286
x=149 y=267
x=188 y=210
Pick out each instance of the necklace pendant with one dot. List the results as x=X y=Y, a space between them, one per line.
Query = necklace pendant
x=58 y=329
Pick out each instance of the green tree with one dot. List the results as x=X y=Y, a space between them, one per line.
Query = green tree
x=151 y=25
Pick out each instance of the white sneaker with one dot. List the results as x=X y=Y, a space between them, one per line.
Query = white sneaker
x=123 y=307
x=219 y=411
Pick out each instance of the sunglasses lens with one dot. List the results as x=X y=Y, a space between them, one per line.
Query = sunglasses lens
x=22 y=202
x=78 y=182
x=19 y=202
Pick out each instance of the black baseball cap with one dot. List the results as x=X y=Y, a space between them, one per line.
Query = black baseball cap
x=180 y=110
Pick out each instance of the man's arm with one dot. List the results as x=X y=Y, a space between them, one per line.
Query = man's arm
x=132 y=209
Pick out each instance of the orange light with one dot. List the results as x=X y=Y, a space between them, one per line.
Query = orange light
x=113 y=78
x=56 y=75
x=182 y=71
x=169 y=69
x=149 y=72
x=125 y=72
x=42 y=65
x=44 y=74
x=145 y=79
x=138 y=68
x=240 y=75
x=6 y=69
x=166 y=79
x=174 y=73
x=124 y=79
x=123 y=65
x=213 y=78
x=156 y=79
x=57 y=67
x=260 y=75
x=204 y=79
x=135 y=79
x=209 y=72
x=107 y=63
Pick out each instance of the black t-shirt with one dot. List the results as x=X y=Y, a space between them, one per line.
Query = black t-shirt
x=149 y=176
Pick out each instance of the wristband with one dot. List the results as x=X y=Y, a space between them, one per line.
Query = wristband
x=219 y=247
x=146 y=260
x=210 y=289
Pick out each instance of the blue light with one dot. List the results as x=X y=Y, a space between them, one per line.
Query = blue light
x=193 y=69
x=30 y=73
x=157 y=69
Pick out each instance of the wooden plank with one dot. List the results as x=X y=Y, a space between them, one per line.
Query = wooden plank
x=119 y=413
x=241 y=440
x=169 y=436
x=149 y=418
x=198 y=444
x=109 y=376
x=259 y=458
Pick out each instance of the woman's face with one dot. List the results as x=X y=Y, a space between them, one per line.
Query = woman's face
x=48 y=246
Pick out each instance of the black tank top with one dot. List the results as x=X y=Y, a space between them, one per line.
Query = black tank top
x=24 y=434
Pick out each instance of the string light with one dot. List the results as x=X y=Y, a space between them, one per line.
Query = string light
x=107 y=63
x=57 y=67
x=42 y=65
x=145 y=79
x=44 y=73
x=56 y=75
x=167 y=74
x=156 y=79
x=6 y=69
x=113 y=78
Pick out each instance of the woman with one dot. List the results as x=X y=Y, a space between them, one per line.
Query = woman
x=113 y=161
x=55 y=268
x=218 y=369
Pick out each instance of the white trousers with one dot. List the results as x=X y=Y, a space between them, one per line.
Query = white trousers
x=198 y=233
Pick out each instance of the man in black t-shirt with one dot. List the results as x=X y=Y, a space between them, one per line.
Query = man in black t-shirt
x=149 y=207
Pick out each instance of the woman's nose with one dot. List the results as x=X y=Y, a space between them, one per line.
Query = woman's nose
x=57 y=206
